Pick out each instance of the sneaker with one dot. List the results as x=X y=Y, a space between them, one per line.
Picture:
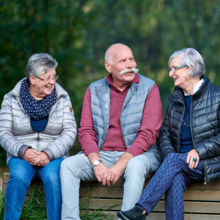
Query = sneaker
x=133 y=214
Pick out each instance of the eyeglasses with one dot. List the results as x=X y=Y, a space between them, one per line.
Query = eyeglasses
x=48 y=79
x=174 y=68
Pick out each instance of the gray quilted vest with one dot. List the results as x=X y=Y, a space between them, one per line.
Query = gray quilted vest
x=132 y=110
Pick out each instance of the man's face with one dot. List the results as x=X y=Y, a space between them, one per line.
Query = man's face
x=122 y=58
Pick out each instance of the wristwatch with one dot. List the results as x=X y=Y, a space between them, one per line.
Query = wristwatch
x=95 y=163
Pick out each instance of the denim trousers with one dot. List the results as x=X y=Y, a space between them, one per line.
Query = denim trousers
x=171 y=178
x=21 y=175
x=77 y=168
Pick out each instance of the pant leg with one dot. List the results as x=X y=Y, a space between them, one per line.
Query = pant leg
x=164 y=177
x=137 y=170
x=174 y=198
x=49 y=174
x=72 y=171
x=21 y=174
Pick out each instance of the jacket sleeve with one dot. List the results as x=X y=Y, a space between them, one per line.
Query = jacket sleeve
x=62 y=144
x=7 y=138
x=164 y=140
x=209 y=148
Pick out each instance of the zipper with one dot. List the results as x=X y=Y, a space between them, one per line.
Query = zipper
x=121 y=113
x=180 y=125
x=191 y=124
x=205 y=177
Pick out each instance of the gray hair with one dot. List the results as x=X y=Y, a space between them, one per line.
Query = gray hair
x=191 y=58
x=40 y=63
x=107 y=57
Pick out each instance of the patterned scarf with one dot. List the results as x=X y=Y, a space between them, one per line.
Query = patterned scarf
x=33 y=109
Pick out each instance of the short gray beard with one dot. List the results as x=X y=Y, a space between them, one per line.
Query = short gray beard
x=126 y=70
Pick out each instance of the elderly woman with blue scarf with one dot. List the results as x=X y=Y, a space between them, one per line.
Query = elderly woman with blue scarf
x=37 y=129
x=189 y=139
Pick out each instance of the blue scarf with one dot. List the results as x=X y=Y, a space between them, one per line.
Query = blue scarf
x=33 y=109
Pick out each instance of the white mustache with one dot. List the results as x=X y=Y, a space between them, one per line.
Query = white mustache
x=126 y=70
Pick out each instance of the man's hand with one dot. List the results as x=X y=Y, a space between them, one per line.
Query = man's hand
x=43 y=159
x=113 y=173
x=192 y=154
x=99 y=171
x=31 y=156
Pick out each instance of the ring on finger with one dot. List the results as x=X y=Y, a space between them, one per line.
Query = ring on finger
x=194 y=159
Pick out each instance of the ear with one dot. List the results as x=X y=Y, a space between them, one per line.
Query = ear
x=32 y=79
x=107 y=66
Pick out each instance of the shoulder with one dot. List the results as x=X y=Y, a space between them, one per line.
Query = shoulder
x=61 y=92
x=98 y=83
x=144 y=80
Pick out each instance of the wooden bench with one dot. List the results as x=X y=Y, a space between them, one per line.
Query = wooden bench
x=202 y=202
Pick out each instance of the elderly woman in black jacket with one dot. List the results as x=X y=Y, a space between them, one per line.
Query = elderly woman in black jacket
x=189 y=138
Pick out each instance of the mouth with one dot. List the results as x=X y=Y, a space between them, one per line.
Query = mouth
x=175 y=79
x=130 y=72
x=49 y=87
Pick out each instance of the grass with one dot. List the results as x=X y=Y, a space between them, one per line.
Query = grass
x=35 y=207
x=95 y=214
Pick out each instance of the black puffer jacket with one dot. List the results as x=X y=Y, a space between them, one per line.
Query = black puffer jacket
x=205 y=126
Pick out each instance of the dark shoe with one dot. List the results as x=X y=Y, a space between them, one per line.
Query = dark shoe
x=133 y=214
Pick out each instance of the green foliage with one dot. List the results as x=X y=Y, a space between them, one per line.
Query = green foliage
x=78 y=32
x=35 y=207
x=97 y=214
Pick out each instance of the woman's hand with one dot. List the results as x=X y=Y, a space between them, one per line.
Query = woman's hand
x=191 y=155
x=43 y=159
x=31 y=156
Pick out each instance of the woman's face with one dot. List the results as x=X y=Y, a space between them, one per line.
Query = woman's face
x=180 y=75
x=44 y=88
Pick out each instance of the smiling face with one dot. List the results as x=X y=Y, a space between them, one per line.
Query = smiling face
x=120 y=57
x=39 y=89
x=180 y=76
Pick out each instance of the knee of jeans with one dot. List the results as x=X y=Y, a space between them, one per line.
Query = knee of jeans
x=51 y=178
x=20 y=178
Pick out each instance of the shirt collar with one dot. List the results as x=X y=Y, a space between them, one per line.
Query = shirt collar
x=196 y=87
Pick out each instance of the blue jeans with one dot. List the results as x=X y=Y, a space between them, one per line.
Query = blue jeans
x=21 y=175
x=171 y=178
x=77 y=168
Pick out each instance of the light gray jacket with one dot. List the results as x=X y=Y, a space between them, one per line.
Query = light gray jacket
x=16 y=134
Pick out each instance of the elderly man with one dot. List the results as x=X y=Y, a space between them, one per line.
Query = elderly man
x=120 y=121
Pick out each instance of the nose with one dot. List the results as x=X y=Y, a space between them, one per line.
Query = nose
x=52 y=81
x=171 y=73
x=129 y=64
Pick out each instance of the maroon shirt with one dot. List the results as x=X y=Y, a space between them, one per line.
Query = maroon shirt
x=146 y=135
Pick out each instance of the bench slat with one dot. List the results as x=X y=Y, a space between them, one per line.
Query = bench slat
x=191 y=207
x=202 y=202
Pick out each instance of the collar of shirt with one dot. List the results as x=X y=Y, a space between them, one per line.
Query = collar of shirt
x=110 y=80
x=196 y=87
